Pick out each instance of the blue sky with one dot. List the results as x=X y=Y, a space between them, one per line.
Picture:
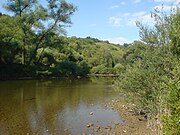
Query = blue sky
x=112 y=20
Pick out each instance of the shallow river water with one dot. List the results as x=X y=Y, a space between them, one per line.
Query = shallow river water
x=56 y=107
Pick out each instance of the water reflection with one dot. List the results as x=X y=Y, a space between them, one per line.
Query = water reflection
x=54 y=106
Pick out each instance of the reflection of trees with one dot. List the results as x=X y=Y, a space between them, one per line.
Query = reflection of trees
x=35 y=105
x=13 y=120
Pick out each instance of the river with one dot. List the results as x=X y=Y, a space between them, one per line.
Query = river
x=50 y=107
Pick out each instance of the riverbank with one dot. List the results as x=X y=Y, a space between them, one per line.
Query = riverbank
x=102 y=75
x=25 y=72
x=134 y=124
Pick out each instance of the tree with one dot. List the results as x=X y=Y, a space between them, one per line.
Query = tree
x=23 y=15
x=153 y=81
x=10 y=39
x=39 y=21
x=165 y=32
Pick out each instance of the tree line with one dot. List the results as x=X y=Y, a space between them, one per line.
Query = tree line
x=33 y=42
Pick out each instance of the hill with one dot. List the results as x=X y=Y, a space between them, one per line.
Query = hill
x=66 y=56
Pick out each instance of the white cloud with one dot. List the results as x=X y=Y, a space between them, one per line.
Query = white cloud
x=177 y=2
x=141 y=16
x=147 y=19
x=123 y=3
x=126 y=14
x=118 y=5
x=129 y=19
x=114 y=6
x=166 y=8
x=136 y=1
x=137 y=14
x=168 y=1
x=118 y=40
x=115 y=21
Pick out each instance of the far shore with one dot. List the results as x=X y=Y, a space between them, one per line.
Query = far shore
x=56 y=77
x=104 y=75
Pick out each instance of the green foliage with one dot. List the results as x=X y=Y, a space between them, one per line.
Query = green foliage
x=83 y=69
x=171 y=117
x=27 y=39
x=149 y=70
x=165 y=31
x=10 y=39
x=39 y=24
x=151 y=76
x=69 y=68
x=146 y=77
x=119 y=68
x=134 y=52
x=101 y=69
x=174 y=33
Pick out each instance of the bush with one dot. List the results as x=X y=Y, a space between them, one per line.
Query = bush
x=69 y=68
x=101 y=69
x=147 y=81
x=172 y=116
x=119 y=68
x=153 y=81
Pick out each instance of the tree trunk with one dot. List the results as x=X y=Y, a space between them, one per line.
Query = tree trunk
x=41 y=55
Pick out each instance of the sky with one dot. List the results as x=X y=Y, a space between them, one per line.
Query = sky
x=112 y=20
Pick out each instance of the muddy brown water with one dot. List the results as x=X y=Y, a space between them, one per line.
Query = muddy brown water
x=50 y=107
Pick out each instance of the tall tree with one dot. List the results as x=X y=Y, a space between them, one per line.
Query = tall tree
x=22 y=10
x=38 y=21
x=10 y=39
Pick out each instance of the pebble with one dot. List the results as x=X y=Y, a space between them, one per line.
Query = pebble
x=130 y=110
x=89 y=125
x=116 y=123
x=97 y=129
x=124 y=131
x=108 y=128
x=91 y=113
